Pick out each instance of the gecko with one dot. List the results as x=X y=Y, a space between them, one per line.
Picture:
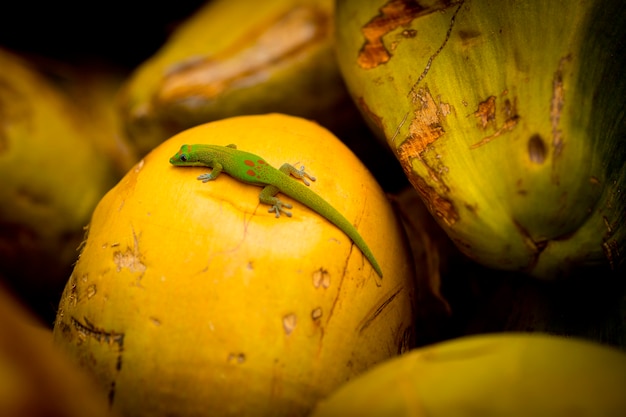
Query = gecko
x=254 y=170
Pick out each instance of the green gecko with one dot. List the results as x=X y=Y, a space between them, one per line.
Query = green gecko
x=252 y=169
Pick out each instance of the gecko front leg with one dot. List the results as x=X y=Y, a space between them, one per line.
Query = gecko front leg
x=216 y=170
x=268 y=196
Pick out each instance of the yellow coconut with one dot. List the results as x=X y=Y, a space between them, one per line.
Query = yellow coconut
x=189 y=298
x=509 y=374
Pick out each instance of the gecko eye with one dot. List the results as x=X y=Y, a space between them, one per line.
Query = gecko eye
x=183 y=158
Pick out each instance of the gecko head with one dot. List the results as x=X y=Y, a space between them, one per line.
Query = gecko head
x=183 y=157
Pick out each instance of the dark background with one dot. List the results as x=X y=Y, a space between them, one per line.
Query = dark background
x=119 y=32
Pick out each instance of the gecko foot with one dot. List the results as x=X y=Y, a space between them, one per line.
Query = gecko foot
x=304 y=175
x=298 y=173
x=207 y=177
x=277 y=208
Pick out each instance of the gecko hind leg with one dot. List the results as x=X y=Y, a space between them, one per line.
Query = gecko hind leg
x=268 y=196
x=298 y=173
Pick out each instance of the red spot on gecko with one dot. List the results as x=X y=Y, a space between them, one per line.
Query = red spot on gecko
x=251 y=173
x=249 y=163
x=262 y=162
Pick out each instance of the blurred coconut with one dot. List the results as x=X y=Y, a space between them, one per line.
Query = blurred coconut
x=57 y=159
